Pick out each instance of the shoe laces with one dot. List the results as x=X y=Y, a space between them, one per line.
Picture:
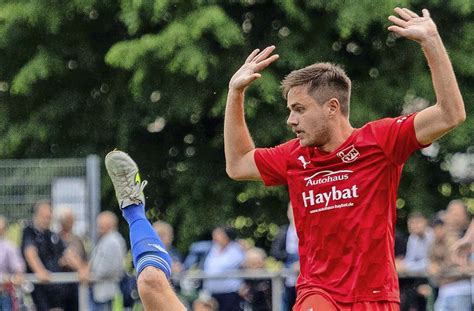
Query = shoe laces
x=134 y=191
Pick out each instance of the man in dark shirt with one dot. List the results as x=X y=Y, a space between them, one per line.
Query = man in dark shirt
x=44 y=252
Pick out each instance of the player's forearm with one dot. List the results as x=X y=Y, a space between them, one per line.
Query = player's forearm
x=237 y=139
x=448 y=95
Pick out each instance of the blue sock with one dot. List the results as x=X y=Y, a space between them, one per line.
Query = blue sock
x=147 y=248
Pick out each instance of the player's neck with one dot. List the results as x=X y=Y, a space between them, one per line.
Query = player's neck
x=340 y=132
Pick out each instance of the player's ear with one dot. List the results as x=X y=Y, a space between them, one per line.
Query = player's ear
x=333 y=106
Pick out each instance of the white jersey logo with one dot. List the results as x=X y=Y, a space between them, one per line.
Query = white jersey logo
x=327 y=176
x=312 y=198
x=401 y=119
x=158 y=247
x=349 y=154
x=303 y=161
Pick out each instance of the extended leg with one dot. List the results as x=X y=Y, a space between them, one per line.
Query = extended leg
x=150 y=258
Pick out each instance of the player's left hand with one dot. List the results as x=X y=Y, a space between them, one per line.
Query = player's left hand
x=412 y=26
x=250 y=70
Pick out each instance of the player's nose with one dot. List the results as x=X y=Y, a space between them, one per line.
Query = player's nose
x=291 y=119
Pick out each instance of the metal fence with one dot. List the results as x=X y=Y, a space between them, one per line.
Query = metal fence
x=276 y=278
x=66 y=182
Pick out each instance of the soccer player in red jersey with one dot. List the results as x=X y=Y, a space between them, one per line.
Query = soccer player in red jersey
x=342 y=180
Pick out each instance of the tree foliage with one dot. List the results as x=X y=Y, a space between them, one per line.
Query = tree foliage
x=150 y=77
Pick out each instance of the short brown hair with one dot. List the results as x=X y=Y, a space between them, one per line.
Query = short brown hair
x=324 y=81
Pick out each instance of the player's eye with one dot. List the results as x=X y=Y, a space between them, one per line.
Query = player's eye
x=299 y=109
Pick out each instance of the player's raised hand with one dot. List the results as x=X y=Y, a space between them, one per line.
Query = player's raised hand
x=412 y=26
x=250 y=70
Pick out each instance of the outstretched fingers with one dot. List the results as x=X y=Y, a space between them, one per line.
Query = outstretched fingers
x=403 y=13
x=256 y=55
x=410 y=13
x=266 y=62
x=264 y=54
x=397 y=21
x=261 y=59
x=252 y=56
x=250 y=70
x=396 y=29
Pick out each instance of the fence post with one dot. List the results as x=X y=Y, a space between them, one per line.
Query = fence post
x=472 y=291
x=93 y=190
x=277 y=291
x=83 y=297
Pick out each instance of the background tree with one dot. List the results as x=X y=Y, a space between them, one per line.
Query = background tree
x=150 y=77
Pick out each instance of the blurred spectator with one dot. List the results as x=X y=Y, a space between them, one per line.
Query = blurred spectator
x=45 y=252
x=285 y=249
x=400 y=244
x=166 y=233
x=225 y=255
x=75 y=245
x=205 y=303
x=464 y=247
x=72 y=241
x=419 y=241
x=415 y=262
x=456 y=218
x=194 y=260
x=254 y=258
x=454 y=289
x=106 y=264
x=245 y=244
x=197 y=255
x=129 y=290
x=11 y=269
x=256 y=293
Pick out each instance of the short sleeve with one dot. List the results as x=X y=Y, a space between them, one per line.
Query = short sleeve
x=396 y=137
x=272 y=163
x=28 y=238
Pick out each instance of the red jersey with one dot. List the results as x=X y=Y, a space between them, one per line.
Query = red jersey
x=344 y=206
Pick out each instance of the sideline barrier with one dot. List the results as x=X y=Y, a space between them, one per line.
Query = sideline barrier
x=276 y=278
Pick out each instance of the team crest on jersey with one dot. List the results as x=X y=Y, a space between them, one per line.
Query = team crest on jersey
x=303 y=161
x=349 y=154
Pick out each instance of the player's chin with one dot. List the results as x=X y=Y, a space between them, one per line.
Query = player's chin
x=304 y=143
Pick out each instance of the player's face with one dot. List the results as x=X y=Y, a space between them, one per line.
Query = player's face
x=308 y=118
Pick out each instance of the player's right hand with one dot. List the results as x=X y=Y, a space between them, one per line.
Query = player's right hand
x=250 y=70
